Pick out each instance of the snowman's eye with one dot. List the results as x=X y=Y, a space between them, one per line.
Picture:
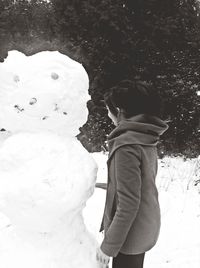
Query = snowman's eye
x=32 y=101
x=54 y=76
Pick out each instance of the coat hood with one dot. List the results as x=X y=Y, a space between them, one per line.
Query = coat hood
x=140 y=129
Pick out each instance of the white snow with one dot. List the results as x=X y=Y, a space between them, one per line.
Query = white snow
x=45 y=183
x=179 y=194
x=46 y=176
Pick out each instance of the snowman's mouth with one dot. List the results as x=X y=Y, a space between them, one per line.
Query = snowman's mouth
x=18 y=108
x=45 y=117
x=32 y=102
x=21 y=109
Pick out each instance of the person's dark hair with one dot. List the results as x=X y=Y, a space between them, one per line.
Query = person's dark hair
x=133 y=97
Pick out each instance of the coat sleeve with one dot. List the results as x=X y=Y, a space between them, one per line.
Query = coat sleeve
x=128 y=183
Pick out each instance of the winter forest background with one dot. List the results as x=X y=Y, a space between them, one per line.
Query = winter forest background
x=155 y=40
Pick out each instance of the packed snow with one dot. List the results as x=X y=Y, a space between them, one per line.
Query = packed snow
x=179 y=194
x=46 y=176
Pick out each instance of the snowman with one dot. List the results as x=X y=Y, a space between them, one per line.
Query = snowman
x=46 y=176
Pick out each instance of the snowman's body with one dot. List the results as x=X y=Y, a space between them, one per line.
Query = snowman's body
x=46 y=176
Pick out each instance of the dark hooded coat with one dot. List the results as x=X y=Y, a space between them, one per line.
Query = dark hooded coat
x=131 y=220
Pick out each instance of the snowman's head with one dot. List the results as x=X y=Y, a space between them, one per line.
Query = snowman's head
x=47 y=91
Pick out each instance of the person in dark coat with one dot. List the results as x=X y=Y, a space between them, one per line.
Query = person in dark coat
x=131 y=219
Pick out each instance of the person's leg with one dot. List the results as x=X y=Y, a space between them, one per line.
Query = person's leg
x=128 y=261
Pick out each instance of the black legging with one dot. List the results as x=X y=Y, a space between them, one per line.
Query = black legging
x=128 y=261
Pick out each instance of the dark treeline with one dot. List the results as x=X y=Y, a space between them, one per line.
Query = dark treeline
x=154 y=40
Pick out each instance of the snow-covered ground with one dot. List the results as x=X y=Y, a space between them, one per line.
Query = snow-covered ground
x=179 y=193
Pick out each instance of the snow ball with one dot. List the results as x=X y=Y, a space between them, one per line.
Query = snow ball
x=42 y=178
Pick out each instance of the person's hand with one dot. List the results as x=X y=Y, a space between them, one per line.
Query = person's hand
x=102 y=258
